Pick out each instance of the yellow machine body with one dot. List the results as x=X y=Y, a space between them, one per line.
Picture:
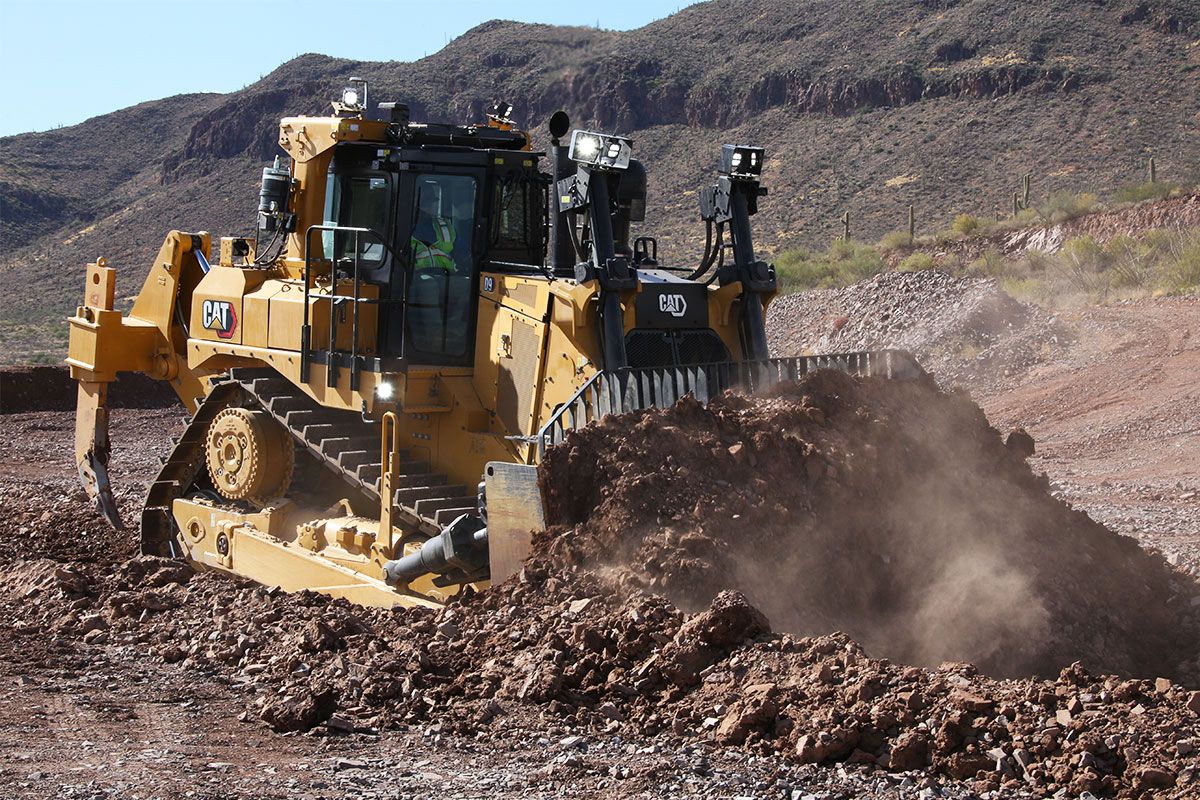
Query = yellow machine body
x=232 y=333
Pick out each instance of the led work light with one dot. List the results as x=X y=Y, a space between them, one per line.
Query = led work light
x=741 y=161
x=600 y=150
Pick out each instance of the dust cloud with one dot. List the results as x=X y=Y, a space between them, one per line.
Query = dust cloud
x=887 y=510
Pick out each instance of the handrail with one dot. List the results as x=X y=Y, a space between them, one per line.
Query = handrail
x=306 y=349
x=634 y=389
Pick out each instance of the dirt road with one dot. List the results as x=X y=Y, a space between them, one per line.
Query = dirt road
x=1117 y=420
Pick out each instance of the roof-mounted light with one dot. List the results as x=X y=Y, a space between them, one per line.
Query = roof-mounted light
x=353 y=99
x=600 y=150
x=741 y=161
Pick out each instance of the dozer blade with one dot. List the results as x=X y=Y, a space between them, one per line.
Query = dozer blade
x=516 y=507
x=658 y=387
x=92 y=449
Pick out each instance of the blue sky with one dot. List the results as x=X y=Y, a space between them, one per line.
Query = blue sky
x=63 y=61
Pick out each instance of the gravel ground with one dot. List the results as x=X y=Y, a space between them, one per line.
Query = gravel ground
x=963 y=330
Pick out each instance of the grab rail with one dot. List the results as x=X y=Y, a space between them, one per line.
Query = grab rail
x=307 y=351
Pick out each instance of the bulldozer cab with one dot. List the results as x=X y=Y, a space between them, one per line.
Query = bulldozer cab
x=437 y=215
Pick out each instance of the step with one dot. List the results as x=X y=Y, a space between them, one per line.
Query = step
x=369 y=474
x=270 y=387
x=332 y=447
x=421 y=480
x=251 y=374
x=299 y=420
x=405 y=469
x=352 y=459
x=282 y=404
x=339 y=430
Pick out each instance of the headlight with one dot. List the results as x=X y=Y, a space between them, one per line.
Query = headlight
x=350 y=97
x=741 y=161
x=585 y=147
x=384 y=391
x=600 y=150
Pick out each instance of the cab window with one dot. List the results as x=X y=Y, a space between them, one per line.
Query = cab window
x=442 y=260
x=518 y=219
x=357 y=201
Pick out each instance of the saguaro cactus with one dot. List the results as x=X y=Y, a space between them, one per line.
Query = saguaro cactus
x=1153 y=170
x=846 y=227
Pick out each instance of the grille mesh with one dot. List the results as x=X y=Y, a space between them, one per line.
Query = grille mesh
x=659 y=348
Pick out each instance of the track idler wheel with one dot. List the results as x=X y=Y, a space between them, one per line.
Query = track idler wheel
x=250 y=456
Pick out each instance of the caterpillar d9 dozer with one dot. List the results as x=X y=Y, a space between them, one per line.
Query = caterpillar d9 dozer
x=372 y=378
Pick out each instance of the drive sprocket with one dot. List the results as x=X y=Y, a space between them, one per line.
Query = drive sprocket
x=250 y=456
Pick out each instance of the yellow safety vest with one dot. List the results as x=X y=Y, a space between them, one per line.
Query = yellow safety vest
x=436 y=255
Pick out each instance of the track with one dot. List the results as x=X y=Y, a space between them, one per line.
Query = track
x=342 y=441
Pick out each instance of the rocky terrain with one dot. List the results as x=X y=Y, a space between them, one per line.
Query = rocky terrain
x=965 y=331
x=647 y=648
x=939 y=105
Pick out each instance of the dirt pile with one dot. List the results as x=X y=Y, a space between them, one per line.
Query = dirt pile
x=888 y=510
x=694 y=551
x=964 y=330
x=547 y=650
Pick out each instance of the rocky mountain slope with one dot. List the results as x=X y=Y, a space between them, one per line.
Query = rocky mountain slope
x=942 y=104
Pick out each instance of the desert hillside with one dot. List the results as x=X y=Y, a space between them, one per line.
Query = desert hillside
x=941 y=105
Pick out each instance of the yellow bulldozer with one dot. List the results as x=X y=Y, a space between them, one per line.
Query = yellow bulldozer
x=373 y=378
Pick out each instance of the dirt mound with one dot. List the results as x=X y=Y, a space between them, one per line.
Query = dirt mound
x=551 y=649
x=52 y=389
x=887 y=510
x=964 y=330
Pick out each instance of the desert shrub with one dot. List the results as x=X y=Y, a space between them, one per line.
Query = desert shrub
x=1139 y=192
x=992 y=264
x=842 y=264
x=1064 y=206
x=1128 y=262
x=965 y=225
x=1179 y=268
x=1038 y=261
x=1027 y=288
x=1085 y=253
x=917 y=262
x=895 y=240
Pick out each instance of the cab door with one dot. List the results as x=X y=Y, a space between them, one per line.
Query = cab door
x=440 y=246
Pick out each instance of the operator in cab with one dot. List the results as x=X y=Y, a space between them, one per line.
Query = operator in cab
x=433 y=235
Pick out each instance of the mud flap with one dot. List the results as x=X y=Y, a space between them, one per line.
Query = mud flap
x=92 y=449
x=515 y=511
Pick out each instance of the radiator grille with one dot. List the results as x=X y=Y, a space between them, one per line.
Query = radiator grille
x=670 y=348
